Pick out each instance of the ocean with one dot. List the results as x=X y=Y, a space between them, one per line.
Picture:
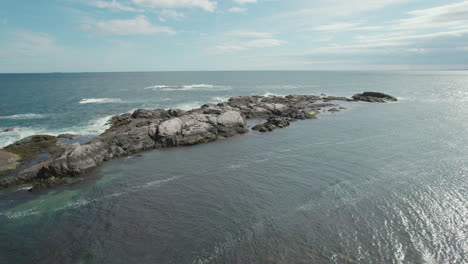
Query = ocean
x=375 y=183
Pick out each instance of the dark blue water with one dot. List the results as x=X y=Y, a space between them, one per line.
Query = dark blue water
x=377 y=183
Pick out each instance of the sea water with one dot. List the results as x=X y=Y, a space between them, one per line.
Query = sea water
x=376 y=183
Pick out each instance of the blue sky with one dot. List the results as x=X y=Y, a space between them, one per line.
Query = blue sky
x=167 y=35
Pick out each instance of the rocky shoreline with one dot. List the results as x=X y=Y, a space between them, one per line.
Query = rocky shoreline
x=47 y=161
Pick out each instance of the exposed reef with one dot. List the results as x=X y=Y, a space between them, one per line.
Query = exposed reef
x=48 y=161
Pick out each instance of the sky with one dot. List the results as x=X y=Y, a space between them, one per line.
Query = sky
x=197 y=35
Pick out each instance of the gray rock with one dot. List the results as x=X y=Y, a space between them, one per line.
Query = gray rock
x=273 y=123
x=69 y=136
x=374 y=97
x=336 y=98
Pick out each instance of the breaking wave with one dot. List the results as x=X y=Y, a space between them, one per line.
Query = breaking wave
x=100 y=100
x=24 y=116
x=187 y=87
x=93 y=127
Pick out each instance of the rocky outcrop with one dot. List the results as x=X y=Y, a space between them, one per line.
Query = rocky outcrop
x=374 y=97
x=160 y=128
x=273 y=123
x=8 y=161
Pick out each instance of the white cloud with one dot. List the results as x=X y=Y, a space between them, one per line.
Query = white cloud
x=404 y=38
x=137 y=26
x=237 y=10
x=115 y=6
x=404 y=42
x=203 y=4
x=249 y=44
x=241 y=2
x=4 y=21
x=336 y=27
x=167 y=14
x=263 y=43
x=249 y=34
x=26 y=43
x=337 y=8
x=452 y=15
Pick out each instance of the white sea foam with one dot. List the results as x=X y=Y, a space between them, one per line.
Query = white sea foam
x=100 y=100
x=219 y=99
x=24 y=188
x=24 y=213
x=187 y=87
x=12 y=214
x=94 y=127
x=156 y=87
x=188 y=106
x=24 y=116
x=267 y=94
x=198 y=86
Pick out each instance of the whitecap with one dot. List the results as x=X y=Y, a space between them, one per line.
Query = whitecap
x=100 y=100
x=24 y=116
x=198 y=86
x=187 y=87
x=156 y=87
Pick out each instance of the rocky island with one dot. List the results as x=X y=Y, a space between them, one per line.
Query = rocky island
x=46 y=161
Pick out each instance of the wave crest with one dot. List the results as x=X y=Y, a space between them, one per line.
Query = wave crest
x=187 y=87
x=24 y=116
x=100 y=100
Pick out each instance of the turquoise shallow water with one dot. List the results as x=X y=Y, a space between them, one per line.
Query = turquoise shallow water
x=377 y=183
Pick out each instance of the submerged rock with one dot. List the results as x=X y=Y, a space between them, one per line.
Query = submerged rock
x=10 y=129
x=159 y=128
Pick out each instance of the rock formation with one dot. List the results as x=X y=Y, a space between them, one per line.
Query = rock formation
x=153 y=129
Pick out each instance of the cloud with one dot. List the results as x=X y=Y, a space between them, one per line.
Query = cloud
x=31 y=44
x=336 y=27
x=203 y=4
x=168 y=14
x=452 y=15
x=249 y=34
x=394 y=43
x=249 y=44
x=137 y=26
x=324 y=9
x=405 y=38
x=237 y=10
x=241 y=2
x=4 y=21
x=115 y=6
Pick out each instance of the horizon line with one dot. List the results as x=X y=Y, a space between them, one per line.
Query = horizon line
x=317 y=70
